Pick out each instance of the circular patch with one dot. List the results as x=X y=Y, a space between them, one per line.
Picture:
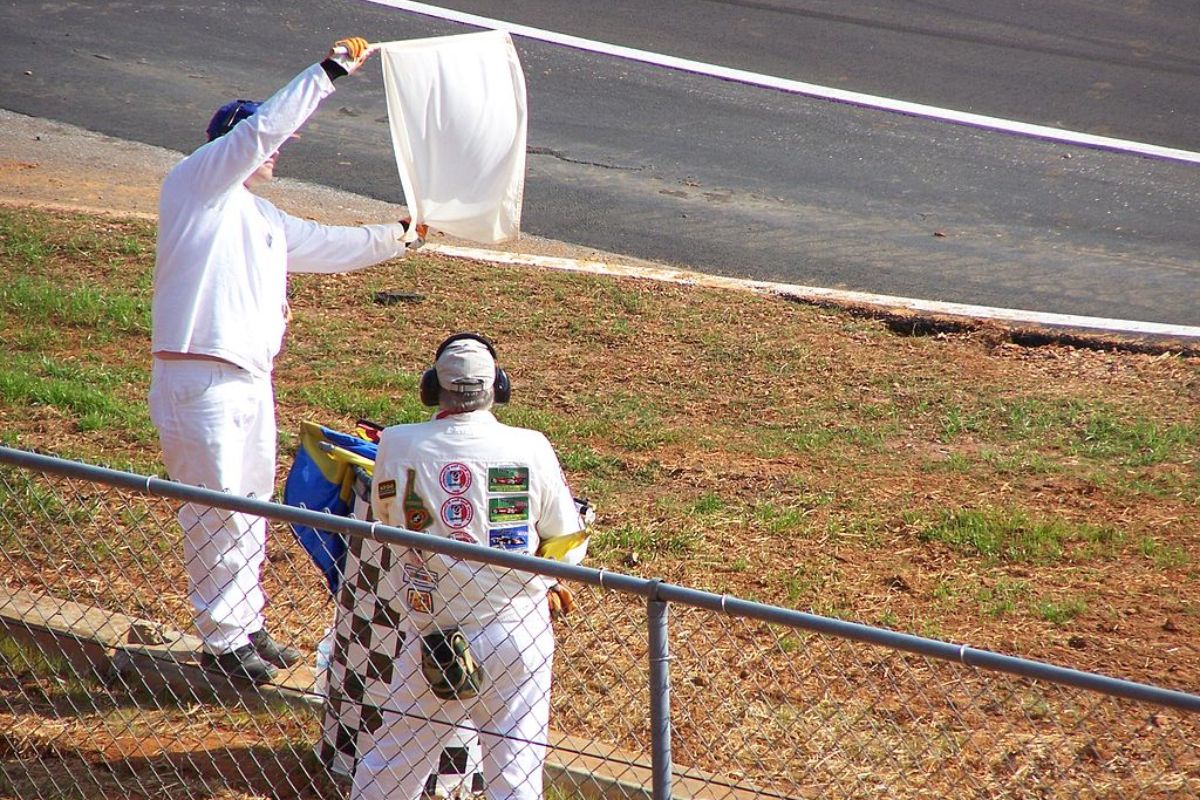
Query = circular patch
x=457 y=512
x=455 y=478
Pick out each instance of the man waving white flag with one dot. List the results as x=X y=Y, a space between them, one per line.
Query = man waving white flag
x=456 y=106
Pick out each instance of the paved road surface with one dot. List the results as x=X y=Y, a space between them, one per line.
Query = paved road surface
x=714 y=175
x=1122 y=69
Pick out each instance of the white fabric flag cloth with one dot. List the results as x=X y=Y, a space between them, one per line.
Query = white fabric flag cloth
x=456 y=105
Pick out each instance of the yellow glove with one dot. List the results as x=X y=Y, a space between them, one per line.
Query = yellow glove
x=560 y=600
x=350 y=54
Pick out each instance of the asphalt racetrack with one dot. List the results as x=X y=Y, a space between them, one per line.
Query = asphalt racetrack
x=725 y=177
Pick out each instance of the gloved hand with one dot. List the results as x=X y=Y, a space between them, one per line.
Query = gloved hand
x=422 y=231
x=349 y=54
x=560 y=600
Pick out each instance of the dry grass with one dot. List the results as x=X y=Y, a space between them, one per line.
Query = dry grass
x=1038 y=501
x=736 y=442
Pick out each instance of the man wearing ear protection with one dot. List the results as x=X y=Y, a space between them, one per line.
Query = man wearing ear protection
x=478 y=643
x=219 y=313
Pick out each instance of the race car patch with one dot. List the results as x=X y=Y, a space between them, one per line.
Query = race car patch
x=512 y=538
x=508 y=480
x=455 y=478
x=508 y=509
x=457 y=512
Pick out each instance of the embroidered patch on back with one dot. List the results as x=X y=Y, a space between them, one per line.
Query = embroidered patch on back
x=457 y=512
x=420 y=602
x=512 y=538
x=508 y=509
x=455 y=478
x=387 y=489
x=416 y=516
x=508 y=480
x=421 y=577
x=463 y=536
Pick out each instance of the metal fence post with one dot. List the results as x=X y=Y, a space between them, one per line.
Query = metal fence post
x=660 y=697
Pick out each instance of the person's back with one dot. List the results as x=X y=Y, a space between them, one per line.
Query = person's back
x=481 y=482
x=478 y=643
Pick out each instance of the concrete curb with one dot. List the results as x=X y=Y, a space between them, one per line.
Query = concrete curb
x=1185 y=336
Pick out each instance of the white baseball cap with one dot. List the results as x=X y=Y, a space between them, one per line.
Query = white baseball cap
x=466 y=365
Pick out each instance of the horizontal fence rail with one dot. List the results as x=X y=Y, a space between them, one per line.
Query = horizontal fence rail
x=658 y=690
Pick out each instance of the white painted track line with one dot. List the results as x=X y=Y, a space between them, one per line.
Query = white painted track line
x=815 y=294
x=801 y=88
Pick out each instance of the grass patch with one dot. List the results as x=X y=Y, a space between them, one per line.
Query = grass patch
x=779 y=519
x=91 y=395
x=355 y=401
x=585 y=458
x=44 y=676
x=1060 y=612
x=645 y=542
x=1134 y=441
x=1085 y=427
x=25 y=495
x=39 y=300
x=1003 y=597
x=1163 y=556
x=22 y=660
x=1007 y=535
x=706 y=505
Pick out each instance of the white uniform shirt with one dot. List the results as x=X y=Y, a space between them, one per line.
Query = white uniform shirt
x=471 y=478
x=220 y=278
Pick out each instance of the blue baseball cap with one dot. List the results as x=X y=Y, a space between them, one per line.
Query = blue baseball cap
x=229 y=115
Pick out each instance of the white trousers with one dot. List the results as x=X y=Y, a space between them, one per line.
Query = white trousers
x=511 y=713
x=216 y=424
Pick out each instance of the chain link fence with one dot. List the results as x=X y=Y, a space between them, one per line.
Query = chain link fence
x=102 y=695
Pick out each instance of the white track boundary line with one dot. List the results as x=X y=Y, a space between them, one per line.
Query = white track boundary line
x=801 y=88
x=816 y=294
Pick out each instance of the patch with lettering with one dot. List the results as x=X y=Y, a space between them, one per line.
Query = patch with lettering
x=457 y=512
x=511 y=538
x=420 y=577
x=508 y=509
x=419 y=601
x=463 y=536
x=508 y=480
x=455 y=478
x=387 y=489
x=416 y=516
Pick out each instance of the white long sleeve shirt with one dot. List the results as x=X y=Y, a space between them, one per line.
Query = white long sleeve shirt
x=220 y=278
x=470 y=478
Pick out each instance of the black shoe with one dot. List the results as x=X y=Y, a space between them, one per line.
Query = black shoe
x=241 y=664
x=272 y=651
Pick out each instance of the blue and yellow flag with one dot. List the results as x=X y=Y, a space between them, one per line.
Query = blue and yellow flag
x=322 y=479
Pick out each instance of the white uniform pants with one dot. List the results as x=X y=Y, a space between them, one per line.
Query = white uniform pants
x=216 y=423
x=512 y=715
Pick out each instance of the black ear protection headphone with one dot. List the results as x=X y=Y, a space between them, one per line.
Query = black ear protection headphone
x=430 y=388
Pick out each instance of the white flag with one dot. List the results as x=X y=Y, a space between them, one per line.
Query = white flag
x=456 y=106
